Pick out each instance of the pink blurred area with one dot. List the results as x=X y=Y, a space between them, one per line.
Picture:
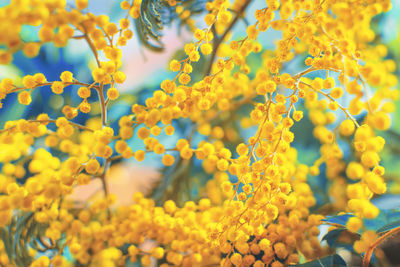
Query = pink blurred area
x=142 y=66
x=147 y=68
x=123 y=180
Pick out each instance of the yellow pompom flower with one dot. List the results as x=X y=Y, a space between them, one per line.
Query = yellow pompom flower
x=370 y=159
x=328 y=83
x=157 y=252
x=297 y=115
x=199 y=34
x=139 y=155
x=125 y=5
x=186 y=153
x=66 y=77
x=174 y=65
x=143 y=133
x=336 y=92
x=347 y=127
x=111 y=29
x=31 y=49
x=84 y=92
x=354 y=224
x=184 y=78
x=119 y=77
x=206 y=49
x=169 y=206
x=92 y=166
x=159 y=149
x=81 y=4
x=57 y=87
x=252 y=32
x=24 y=98
x=112 y=93
x=168 y=160
x=354 y=170
x=381 y=121
x=29 y=81
x=98 y=75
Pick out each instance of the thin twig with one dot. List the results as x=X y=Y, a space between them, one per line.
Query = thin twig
x=77 y=125
x=333 y=100
x=103 y=105
x=50 y=83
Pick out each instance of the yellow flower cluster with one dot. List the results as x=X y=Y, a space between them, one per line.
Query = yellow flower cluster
x=256 y=209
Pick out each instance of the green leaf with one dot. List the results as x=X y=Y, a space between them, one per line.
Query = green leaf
x=332 y=236
x=155 y=15
x=7 y=242
x=338 y=219
x=389 y=227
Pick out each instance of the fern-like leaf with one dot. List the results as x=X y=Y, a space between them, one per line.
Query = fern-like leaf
x=155 y=15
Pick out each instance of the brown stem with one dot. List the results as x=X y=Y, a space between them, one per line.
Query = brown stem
x=103 y=105
x=93 y=48
x=304 y=72
x=77 y=125
x=50 y=83
x=102 y=177
x=103 y=180
x=78 y=37
x=371 y=248
x=115 y=158
x=107 y=162
x=218 y=40
x=333 y=100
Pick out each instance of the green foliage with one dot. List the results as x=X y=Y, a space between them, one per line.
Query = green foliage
x=155 y=15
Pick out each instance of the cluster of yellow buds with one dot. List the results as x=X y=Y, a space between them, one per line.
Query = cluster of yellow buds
x=256 y=210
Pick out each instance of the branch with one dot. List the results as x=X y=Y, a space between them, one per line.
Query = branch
x=107 y=163
x=103 y=105
x=348 y=115
x=16 y=89
x=371 y=248
x=93 y=48
x=77 y=125
x=217 y=41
